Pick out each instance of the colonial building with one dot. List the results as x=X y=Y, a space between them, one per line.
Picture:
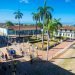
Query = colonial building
x=14 y=31
x=66 y=31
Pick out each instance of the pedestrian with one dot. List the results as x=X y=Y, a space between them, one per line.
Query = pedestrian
x=31 y=59
x=9 y=65
x=7 y=49
x=6 y=57
x=21 y=49
x=14 y=67
x=22 y=53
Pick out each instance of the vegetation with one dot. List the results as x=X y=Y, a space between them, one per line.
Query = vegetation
x=18 y=15
x=45 y=15
x=49 y=25
x=9 y=23
x=40 y=25
x=52 y=27
x=36 y=17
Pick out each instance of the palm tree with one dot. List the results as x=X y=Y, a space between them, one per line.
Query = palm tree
x=51 y=27
x=36 y=17
x=57 y=24
x=18 y=15
x=45 y=13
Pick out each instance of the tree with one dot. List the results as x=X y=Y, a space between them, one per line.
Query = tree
x=18 y=15
x=45 y=13
x=52 y=26
x=57 y=25
x=9 y=23
x=36 y=17
x=40 y=25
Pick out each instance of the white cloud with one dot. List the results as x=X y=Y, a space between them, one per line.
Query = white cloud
x=67 y=1
x=24 y=1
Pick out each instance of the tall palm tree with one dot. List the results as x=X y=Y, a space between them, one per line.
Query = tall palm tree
x=18 y=15
x=36 y=17
x=51 y=27
x=45 y=13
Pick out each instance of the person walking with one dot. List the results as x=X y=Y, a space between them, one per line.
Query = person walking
x=23 y=53
x=6 y=57
x=31 y=59
x=14 y=67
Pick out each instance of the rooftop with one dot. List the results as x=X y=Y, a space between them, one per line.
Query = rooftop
x=24 y=27
x=67 y=28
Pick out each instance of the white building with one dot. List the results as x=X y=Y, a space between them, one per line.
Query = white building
x=14 y=31
x=66 y=31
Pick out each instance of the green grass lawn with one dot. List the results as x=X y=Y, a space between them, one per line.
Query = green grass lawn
x=38 y=42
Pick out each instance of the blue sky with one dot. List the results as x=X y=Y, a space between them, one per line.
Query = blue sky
x=64 y=9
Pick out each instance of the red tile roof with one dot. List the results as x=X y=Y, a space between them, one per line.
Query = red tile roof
x=24 y=27
x=67 y=28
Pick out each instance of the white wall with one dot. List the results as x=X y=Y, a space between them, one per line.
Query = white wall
x=3 y=31
x=66 y=33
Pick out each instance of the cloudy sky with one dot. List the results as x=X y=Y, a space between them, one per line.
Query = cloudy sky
x=64 y=9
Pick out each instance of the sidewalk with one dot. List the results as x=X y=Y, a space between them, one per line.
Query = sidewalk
x=59 y=49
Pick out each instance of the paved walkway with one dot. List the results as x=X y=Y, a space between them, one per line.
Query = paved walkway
x=41 y=54
x=67 y=60
x=55 y=50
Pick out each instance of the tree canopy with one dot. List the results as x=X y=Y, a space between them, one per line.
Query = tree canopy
x=9 y=23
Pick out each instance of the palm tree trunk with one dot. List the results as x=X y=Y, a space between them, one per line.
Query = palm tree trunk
x=39 y=20
x=36 y=29
x=43 y=38
x=7 y=39
x=47 y=43
x=43 y=28
x=19 y=27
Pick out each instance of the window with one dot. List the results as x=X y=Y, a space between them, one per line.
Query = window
x=65 y=29
x=11 y=32
x=60 y=29
x=70 y=30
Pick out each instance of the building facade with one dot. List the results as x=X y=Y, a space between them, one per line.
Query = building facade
x=14 y=31
x=66 y=31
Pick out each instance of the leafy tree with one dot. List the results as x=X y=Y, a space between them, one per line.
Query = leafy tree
x=9 y=23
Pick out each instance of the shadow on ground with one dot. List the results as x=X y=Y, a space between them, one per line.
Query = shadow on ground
x=37 y=67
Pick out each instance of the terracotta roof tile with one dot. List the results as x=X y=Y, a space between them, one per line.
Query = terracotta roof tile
x=67 y=28
x=23 y=27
